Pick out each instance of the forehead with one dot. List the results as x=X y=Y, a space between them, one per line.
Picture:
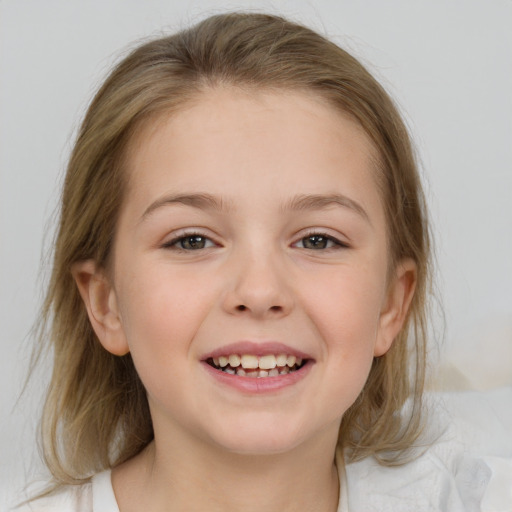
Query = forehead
x=256 y=137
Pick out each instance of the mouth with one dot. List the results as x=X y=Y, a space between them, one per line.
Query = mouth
x=257 y=366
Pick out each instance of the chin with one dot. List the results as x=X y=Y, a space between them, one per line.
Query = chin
x=260 y=438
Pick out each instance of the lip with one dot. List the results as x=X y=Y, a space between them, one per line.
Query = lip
x=253 y=385
x=256 y=349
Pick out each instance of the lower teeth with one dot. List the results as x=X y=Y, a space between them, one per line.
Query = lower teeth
x=257 y=374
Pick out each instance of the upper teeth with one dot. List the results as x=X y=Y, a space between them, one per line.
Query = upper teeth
x=248 y=361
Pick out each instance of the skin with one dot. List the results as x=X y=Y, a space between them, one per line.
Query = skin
x=257 y=278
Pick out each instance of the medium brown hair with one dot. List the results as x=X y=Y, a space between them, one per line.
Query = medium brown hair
x=96 y=414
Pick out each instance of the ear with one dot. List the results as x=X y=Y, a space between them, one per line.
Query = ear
x=101 y=303
x=396 y=305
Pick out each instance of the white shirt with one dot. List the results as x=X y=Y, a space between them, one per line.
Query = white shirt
x=467 y=469
x=98 y=496
x=428 y=484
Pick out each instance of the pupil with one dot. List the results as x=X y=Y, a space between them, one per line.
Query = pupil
x=193 y=242
x=315 y=242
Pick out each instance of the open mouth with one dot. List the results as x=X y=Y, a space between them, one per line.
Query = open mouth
x=247 y=365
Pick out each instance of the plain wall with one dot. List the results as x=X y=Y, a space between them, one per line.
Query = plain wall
x=448 y=64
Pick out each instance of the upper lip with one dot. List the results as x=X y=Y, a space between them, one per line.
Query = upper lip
x=255 y=348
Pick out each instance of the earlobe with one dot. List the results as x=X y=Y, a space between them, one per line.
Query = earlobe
x=101 y=303
x=398 y=300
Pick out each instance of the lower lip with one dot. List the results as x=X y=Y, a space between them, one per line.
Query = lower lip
x=259 y=385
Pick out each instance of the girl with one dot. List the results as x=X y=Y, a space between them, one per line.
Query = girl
x=237 y=304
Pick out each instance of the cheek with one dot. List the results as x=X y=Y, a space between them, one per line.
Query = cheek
x=344 y=312
x=345 y=306
x=161 y=311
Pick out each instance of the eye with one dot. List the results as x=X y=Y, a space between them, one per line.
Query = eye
x=319 y=241
x=190 y=242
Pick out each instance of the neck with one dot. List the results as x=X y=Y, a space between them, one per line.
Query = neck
x=191 y=478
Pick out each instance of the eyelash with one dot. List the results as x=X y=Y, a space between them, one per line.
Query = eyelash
x=174 y=243
x=336 y=243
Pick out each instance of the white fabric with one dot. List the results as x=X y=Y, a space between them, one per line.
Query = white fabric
x=429 y=484
x=103 y=499
x=468 y=468
x=95 y=496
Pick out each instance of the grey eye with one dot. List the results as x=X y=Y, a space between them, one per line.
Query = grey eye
x=193 y=242
x=316 y=242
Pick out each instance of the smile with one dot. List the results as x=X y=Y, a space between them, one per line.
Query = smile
x=253 y=366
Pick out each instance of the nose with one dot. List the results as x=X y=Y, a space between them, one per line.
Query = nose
x=258 y=286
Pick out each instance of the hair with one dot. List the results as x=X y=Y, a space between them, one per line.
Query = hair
x=96 y=413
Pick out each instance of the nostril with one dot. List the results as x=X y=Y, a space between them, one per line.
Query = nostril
x=274 y=309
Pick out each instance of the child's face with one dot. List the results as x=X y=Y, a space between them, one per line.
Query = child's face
x=252 y=226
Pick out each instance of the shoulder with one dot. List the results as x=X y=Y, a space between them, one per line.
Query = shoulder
x=94 y=496
x=457 y=467
x=70 y=498
x=437 y=480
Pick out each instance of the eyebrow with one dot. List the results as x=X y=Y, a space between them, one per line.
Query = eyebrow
x=199 y=200
x=301 y=202
x=321 y=201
